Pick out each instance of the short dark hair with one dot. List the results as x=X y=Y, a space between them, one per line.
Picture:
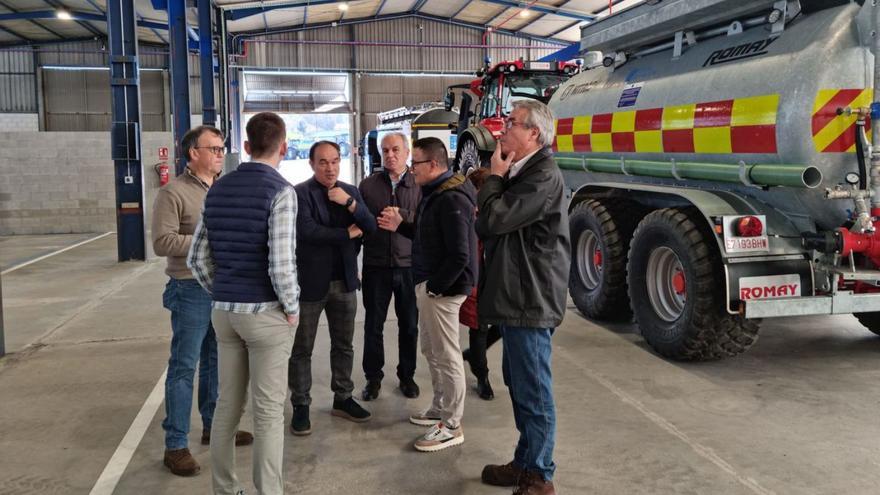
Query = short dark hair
x=434 y=149
x=191 y=138
x=319 y=144
x=265 y=131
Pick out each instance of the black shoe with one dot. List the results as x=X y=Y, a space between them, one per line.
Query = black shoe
x=300 y=424
x=484 y=389
x=409 y=388
x=350 y=410
x=371 y=391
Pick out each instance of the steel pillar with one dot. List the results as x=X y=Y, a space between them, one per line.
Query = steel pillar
x=223 y=77
x=235 y=76
x=206 y=63
x=179 y=76
x=125 y=136
x=2 y=335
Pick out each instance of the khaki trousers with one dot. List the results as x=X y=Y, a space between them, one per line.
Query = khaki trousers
x=253 y=347
x=438 y=324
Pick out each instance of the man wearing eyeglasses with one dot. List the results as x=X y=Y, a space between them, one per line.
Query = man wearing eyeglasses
x=523 y=223
x=176 y=213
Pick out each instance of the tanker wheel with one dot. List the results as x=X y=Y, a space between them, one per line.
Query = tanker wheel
x=468 y=156
x=600 y=233
x=676 y=285
x=871 y=321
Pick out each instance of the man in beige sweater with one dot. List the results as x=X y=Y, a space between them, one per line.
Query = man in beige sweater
x=176 y=213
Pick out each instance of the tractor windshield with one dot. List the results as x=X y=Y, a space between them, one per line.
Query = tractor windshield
x=536 y=86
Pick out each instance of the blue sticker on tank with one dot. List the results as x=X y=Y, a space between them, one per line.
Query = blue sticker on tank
x=630 y=95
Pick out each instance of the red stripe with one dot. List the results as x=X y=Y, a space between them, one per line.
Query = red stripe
x=843 y=142
x=829 y=112
x=713 y=114
x=565 y=126
x=555 y=145
x=602 y=123
x=649 y=120
x=678 y=141
x=582 y=143
x=753 y=139
x=624 y=142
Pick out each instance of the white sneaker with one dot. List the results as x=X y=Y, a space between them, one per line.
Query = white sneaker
x=427 y=418
x=439 y=437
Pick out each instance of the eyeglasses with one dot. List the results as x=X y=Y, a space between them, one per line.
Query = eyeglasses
x=416 y=162
x=509 y=124
x=217 y=150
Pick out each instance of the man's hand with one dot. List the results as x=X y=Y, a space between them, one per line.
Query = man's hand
x=500 y=166
x=354 y=231
x=338 y=195
x=390 y=218
x=293 y=320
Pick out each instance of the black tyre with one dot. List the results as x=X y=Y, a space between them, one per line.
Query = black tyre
x=676 y=286
x=600 y=235
x=468 y=156
x=871 y=321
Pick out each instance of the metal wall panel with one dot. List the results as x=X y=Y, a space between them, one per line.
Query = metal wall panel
x=17 y=60
x=381 y=93
x=17 y=93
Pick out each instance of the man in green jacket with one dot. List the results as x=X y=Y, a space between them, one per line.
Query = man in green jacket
x=523 y=223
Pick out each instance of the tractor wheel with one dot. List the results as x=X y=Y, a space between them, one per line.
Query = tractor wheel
x=468 y=156
x=600 y=233
x=677 y=291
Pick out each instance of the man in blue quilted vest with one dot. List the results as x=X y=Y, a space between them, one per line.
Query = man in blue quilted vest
x=243 y=254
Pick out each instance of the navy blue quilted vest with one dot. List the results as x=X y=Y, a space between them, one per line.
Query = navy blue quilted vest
x=237 y=217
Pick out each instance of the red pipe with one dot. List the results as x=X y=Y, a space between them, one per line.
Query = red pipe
x=867 y=244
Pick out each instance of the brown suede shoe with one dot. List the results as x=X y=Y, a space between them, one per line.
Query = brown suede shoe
x=181 y=462
x=241 y=438
x=505 y=475
x=532 y=483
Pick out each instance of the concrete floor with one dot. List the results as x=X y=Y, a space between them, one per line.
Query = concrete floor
x=89 y=341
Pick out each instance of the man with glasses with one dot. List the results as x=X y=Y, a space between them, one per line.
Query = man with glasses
x=444 y=271
x=523 y=223
x=176 y=213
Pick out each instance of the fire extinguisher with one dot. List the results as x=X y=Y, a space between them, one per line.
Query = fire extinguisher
x=162 y=170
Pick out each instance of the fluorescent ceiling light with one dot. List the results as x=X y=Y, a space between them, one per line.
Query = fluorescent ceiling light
x=524 y=13
x=63 y=14
x=343 y=6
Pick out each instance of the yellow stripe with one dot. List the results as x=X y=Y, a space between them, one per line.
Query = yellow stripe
x=601 y=143
x=833 y=130
x=565 y=143
x=623 y=121
x=712 y=140
x=649 y=141
x=756 y=110
x=679 y=117
x=582 y=124
x=822 y=98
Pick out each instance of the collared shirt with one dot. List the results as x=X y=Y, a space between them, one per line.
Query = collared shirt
x=282 y=261
x=516 y=167
x=176 y=212
x=395 y=182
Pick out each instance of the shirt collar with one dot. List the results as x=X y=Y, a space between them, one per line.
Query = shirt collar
x=516 y=167
x=198 y=179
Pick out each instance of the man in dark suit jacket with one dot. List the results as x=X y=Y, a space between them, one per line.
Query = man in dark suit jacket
x=331 y=220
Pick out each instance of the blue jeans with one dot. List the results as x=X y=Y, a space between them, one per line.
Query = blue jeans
x=528 y=376
x=193 y=342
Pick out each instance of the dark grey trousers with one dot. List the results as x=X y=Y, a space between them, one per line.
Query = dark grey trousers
x=340 y=307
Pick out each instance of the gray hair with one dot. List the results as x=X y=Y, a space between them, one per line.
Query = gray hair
x=403 y=137
x=540 y=117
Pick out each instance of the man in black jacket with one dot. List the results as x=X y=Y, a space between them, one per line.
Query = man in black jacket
x=387 y=269
x=523 y=223
x=331 y=219
x=444 y=269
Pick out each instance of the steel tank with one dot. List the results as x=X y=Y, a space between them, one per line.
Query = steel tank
x=754 y=97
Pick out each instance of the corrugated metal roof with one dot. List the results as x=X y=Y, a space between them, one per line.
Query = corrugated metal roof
x=546 y=19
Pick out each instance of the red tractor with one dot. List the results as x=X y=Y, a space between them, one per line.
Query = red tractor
x=498 y=87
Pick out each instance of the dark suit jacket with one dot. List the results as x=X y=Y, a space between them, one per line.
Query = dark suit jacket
x=314 y=236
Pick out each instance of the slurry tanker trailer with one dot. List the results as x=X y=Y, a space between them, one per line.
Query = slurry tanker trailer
x=720 y=161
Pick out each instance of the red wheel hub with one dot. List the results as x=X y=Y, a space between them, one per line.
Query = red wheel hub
x=597 y=257
x=678 y=283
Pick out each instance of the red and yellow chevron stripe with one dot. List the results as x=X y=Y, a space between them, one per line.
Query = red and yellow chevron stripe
x=834 y=133
x=741 y=125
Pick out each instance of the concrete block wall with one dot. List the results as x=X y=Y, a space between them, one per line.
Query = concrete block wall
x=19 y=122
x=63 y=182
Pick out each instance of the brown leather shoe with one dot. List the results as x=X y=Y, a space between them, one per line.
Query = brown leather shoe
x=504 y=475
x=241 y=438
x=532 y=483
x=181 y=462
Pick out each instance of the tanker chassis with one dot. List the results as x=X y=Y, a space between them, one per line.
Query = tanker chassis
x=721 y=169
